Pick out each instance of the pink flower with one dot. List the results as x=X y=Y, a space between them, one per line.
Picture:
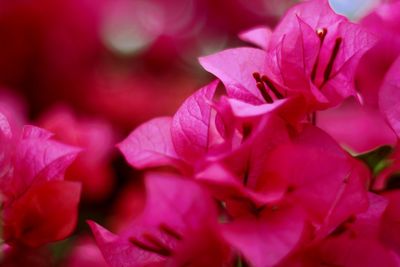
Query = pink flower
x=312 y=53
x=38 y=205
x=277 y=181
x=376 y=62
x=177 y=227
x=362 y=127
x=356 y=242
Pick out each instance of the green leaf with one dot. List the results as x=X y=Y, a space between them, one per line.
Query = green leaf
x=377 y=159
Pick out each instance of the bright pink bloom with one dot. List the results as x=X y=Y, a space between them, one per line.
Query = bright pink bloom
x=38 y=206
x=358 y=128
x=289 y=163
x=312 y=53
x=361 y=128
x=276 y=165
x=175 y=229
x=259 y=36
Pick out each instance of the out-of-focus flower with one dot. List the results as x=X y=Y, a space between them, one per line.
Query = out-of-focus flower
x=38 y=206
x=129 y=205
x=376 y=62
x=126 y=101
x=92 y=167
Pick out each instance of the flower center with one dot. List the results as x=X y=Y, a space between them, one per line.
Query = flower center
x=321 y=33
x=261 y=82
x=329 y=67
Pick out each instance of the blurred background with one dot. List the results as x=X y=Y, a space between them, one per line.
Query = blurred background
x=92 y=70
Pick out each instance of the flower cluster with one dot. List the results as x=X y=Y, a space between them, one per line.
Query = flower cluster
x=242 y=174
x=37 y=205
x=289 y=158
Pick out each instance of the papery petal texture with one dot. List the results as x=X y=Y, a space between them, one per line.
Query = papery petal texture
x=389 y=97
x=150 y=144
x=191 y=124
x=235 y=68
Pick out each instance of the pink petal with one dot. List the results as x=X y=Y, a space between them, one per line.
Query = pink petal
x=316 y=13
x=298 y=52
x=225 y=186
x=6 y=151
x=163 y=205
x=172 y=202
x=85 y=253
x=45 y=213
x=347 y=251
x=391 y=218
x=247 y=161
x=35 y=132
x=258 y=36
x=389 y=97
x=267 y=239
x=352 y=198
x=368 y=223
x=120 y=252
x=243 y=109
x=41 y=159
x=191 y=124
x=376 y=62
x=235 y=68
x=356 y=41
x=150 y=145
x=315 y=180
x=359 y=128
x=5 y=127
